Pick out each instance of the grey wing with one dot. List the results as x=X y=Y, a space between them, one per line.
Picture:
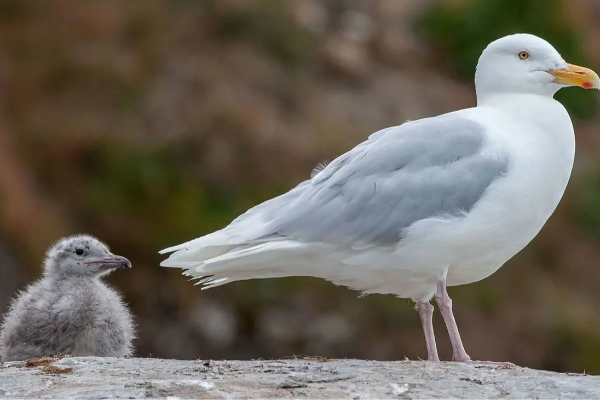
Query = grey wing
x=372 y=138
x=369 y=195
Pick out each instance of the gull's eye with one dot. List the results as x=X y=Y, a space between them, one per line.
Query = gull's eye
x=80 y=252
x=523 y=55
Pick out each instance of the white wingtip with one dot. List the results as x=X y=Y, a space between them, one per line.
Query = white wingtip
x=179 y=262
x=172 y=249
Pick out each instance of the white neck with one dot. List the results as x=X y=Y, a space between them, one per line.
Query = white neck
x=549 y=130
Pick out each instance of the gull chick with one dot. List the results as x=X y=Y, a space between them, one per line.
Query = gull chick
x=436 y=202
x=70 y=311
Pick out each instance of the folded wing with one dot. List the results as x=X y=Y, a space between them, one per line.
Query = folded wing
x=366 y=197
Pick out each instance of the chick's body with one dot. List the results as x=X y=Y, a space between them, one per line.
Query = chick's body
x=70 y=311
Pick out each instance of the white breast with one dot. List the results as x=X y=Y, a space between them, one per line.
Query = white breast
x=515 y=208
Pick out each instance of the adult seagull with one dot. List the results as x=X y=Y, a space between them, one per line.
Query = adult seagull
x=431 y=203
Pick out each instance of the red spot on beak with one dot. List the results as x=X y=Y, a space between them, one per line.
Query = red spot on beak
x=586 y=85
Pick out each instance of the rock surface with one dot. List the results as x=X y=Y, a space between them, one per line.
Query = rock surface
x=309 y=377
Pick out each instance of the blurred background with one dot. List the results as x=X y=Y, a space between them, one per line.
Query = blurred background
x=148 y=123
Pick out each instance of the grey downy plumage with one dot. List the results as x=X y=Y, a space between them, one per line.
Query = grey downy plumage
x=70 y=311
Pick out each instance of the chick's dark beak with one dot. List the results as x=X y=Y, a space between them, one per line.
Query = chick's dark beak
x=111 y=262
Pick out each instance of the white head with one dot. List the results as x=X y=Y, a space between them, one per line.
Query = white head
x=81 y=255
x=524 y=63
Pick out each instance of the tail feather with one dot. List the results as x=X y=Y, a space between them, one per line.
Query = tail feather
x=248 y=227
x=186 y=258
x=260 y=255
x=247 y=248
x=218 y=238
x=277 y=259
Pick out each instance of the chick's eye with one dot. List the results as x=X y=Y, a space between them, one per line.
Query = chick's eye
x=523 y=55
x=79 y=252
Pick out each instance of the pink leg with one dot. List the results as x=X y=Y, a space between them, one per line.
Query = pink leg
x=426 y=313
x=445 y=304
x=458 y=351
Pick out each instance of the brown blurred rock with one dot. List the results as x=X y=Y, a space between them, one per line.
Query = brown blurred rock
x=216 y=324
x=311 y=14
x=396 y=41
x=13 y=276
x=346 y=56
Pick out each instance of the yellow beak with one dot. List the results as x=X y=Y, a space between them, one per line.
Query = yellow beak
x=576 y=76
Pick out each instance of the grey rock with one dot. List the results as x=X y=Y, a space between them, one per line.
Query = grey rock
x=96 y=378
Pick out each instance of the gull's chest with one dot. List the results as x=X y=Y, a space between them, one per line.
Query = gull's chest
x=517 y=206
x=541 y=168
x=82 y=307
x=541 y=155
